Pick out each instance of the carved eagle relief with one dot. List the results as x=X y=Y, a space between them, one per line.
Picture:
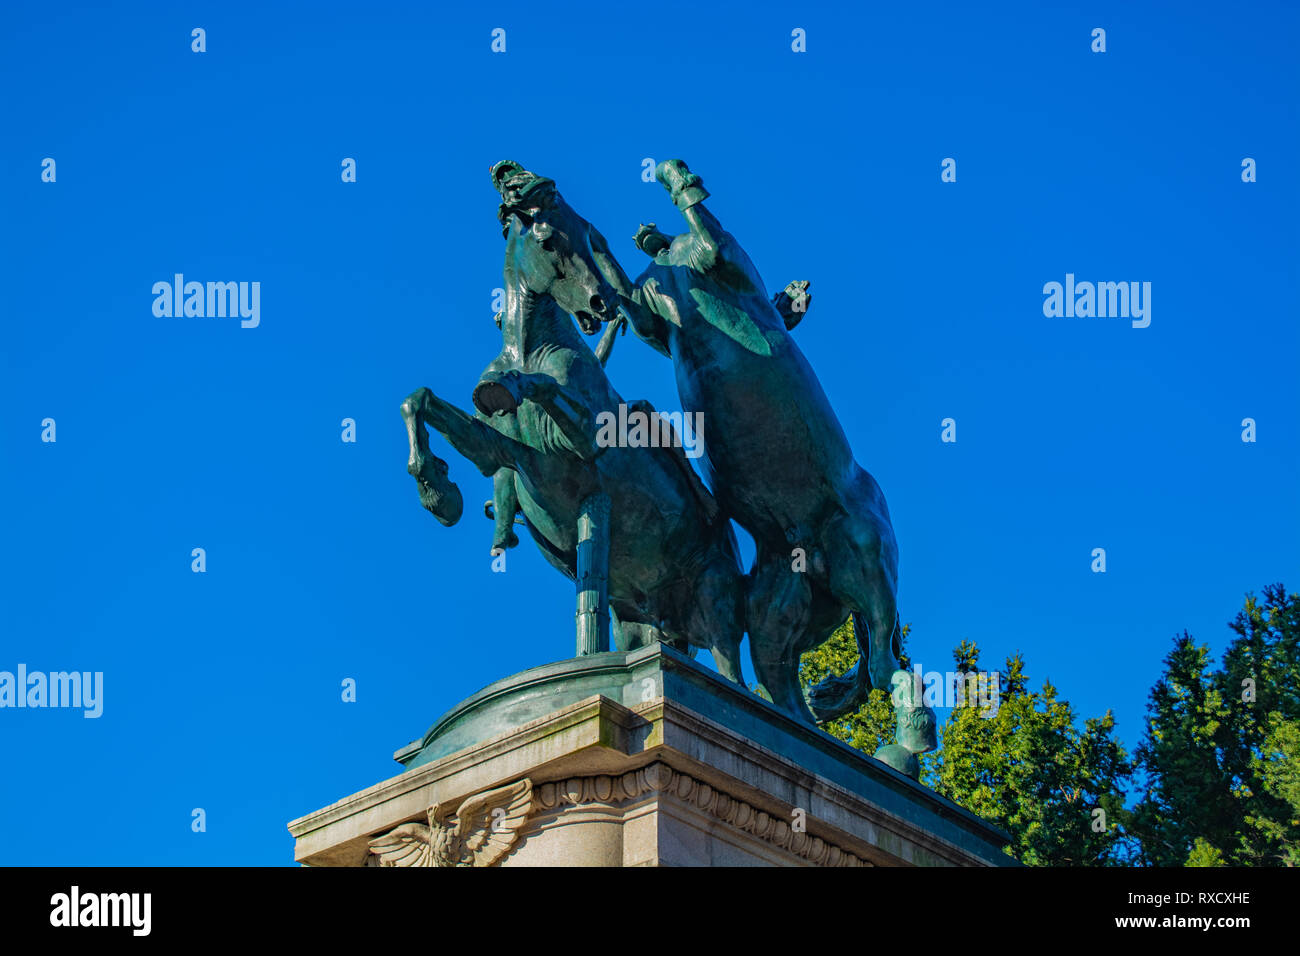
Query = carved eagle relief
x=479 y=833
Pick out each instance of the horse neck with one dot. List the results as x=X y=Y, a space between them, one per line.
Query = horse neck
x=533 y=321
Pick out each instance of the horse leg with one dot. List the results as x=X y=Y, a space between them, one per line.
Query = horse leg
x=862 y=573
x=824 y=619
x=502 y=510
x=438 y=493
x=778 y=604
x=606 y=344
x=715 y=610
x=619 y=636
x=630 y=630
x=505 y=390
x=486 y=448
x=688 y=195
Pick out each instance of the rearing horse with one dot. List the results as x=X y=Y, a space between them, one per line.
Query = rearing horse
x=673 y=565
x=776 y=457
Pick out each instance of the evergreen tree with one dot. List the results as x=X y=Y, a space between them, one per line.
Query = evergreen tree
x=1220 y=756
x=1058 y=792
x=1279 y=770
x=1025 y=768
x=1222 y=746
x=1188 y=792
x=1260 y=683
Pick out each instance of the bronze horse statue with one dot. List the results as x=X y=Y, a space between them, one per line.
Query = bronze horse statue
x=776 y=457
x=669 y=557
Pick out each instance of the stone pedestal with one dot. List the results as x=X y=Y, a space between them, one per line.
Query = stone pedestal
x=639 y=758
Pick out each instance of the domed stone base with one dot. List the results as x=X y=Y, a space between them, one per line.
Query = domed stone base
x=638 y=758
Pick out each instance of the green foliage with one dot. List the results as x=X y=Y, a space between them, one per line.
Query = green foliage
x=1189 y=795
x=1220 y=756
x=1058 y=792
x=1026 y=769
x=1222 y=747
x=1278 y=766
x=1204 y=855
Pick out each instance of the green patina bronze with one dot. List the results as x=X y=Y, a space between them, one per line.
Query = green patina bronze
x=775 y=454
x=648 y=545
x=635 y=528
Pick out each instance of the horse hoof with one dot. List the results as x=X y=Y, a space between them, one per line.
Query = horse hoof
x=439 y=494
x=836 y=695
x=446 y=505
x=491 y=397
x=901 y=759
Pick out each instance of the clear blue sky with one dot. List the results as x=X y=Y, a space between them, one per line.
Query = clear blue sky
x=222 y=690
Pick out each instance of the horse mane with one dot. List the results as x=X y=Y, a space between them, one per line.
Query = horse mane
x=521 y=191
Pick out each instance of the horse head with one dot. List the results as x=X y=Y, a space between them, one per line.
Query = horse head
x=552 y=251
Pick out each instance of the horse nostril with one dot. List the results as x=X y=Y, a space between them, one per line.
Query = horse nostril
x=597 y=304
